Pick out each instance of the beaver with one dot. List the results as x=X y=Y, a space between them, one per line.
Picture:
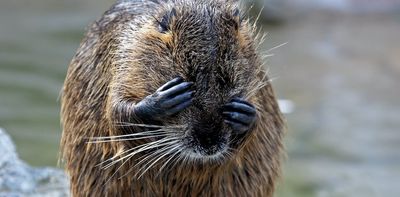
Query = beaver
x=170 y=98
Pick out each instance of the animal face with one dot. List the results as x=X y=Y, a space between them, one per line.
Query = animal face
x=207 y=43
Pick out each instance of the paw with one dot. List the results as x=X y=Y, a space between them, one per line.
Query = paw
x=169 y=99
x=240 y=115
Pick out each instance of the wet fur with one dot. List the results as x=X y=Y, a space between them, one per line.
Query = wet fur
x=124 y=58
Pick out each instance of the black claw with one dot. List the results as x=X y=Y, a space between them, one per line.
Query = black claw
x=240 y=107
x=175 y=90
x=169 y=99
x=171 y=83
x=239 y=114
x=239 y=118
x=177 y=100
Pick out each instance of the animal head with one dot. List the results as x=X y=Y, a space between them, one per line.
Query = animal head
x=211 y=44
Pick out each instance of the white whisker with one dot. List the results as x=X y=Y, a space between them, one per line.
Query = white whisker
x=149 y=126
x=154 y=162
x=147 y=157
x=273 y=48
x=129 y=139
x=142 y=148
x=177 y=160
x=130 y=135
x=167 y=162
x=124 y=152
x=130 y=155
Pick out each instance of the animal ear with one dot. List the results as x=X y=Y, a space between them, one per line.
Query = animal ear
x=165 y=22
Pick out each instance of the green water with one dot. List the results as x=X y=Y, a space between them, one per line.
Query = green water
x=37 y=41
x=343 y=137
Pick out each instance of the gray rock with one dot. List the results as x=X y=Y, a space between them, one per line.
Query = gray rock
x=19 y=179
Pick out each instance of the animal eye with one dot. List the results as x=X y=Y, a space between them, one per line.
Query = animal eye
x=164 y=23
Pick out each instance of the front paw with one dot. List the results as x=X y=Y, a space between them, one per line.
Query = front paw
x=240 y=115
x=169 y=99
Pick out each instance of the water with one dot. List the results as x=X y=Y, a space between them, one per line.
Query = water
x=37 y=41
x=342 y=72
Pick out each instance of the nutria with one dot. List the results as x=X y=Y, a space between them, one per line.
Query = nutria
x=170 y=98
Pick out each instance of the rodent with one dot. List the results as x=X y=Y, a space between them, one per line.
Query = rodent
x=170 y=98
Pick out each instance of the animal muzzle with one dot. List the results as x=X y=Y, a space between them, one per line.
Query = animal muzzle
x=208 y=137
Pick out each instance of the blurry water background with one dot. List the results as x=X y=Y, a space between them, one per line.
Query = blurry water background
x=340 y=66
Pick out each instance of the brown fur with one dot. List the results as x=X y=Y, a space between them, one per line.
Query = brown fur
x=124 y=58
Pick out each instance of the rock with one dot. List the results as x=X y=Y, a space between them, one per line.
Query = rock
x=19 y=179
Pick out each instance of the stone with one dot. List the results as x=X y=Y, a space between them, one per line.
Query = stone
x=19 y=179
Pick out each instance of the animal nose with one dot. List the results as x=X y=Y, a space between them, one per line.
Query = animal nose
x=208 y=140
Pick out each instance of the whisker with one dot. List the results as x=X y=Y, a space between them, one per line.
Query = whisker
x=129 y=135
x=176 y=161
x=130 y=155
x=128 y=139
x=139 y=149
x=145 y=157
x=184 y=158
x=116 y=171
x=167 y=162
x=149 y=126
x=124 y=152
x=276 y=47
x=158 y=159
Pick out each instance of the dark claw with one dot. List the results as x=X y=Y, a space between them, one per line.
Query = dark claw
x=169 y=99
x=175 y=90
x=171 y=83
x=178 y=99
x=240 y=115
x=241 y=107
